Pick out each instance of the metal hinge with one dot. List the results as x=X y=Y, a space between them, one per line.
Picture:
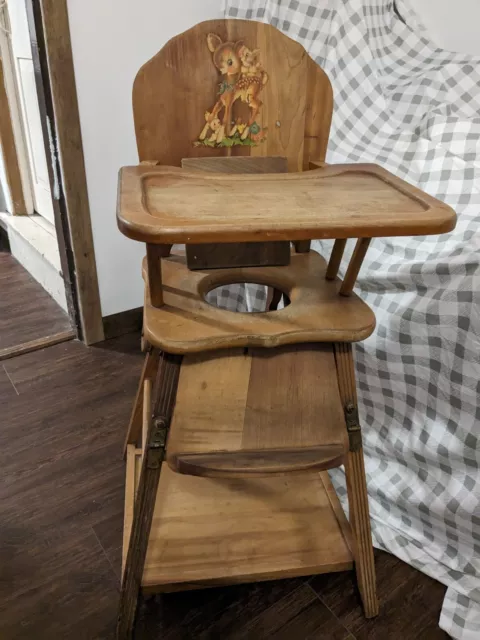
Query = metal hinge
x=353 y=427
x=157 y=443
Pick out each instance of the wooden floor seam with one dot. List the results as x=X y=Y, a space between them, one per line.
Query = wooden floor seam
x=10 y=380
x=35 y=345
x=326 y=605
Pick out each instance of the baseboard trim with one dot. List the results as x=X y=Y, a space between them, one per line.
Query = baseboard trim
x=4 y=241
x=34 y=345
x=118 y=324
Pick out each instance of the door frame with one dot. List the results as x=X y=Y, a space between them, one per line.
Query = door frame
x=12 y=133
x=57 y=96
x=9 y=151
x=25 y=109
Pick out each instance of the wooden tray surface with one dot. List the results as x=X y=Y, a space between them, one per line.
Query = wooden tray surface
x=170 y=205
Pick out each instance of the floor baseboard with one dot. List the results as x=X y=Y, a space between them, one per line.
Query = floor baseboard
x=124 y=322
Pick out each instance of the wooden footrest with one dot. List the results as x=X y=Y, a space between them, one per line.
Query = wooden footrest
x=263 y=411
x=260 y=463
x=214 y=531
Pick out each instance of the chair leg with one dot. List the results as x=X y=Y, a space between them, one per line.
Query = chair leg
x=273 y=300
x=302 y=246
x=356 y=483
x=149 y=371
x=137 y=548
x=146 y=493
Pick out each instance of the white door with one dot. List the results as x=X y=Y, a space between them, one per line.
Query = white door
x=22 y=53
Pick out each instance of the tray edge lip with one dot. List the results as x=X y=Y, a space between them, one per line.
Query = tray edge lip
x=144 y=226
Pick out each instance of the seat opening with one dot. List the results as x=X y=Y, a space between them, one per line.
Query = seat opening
x=247 y=297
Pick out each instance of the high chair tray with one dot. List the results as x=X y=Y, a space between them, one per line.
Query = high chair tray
x=167 y=205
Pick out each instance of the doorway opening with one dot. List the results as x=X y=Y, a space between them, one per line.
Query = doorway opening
x=36 y=299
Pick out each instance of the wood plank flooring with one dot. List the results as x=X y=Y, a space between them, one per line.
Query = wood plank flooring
x=29 y=317
x=63 y=415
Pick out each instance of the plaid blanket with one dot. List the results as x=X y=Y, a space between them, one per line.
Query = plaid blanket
x=413 y=108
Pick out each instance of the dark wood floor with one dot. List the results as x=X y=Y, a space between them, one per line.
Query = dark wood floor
x=63 y=413
x=27 y=312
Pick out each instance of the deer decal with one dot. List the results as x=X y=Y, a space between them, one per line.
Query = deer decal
x=243 y=78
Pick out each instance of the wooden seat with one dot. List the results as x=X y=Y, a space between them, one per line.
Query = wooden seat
x=259 y=412
x=186 y=323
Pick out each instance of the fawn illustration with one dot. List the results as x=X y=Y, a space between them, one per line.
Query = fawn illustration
x=243 y=79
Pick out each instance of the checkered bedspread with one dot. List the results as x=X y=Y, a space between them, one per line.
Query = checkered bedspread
x=413 y=108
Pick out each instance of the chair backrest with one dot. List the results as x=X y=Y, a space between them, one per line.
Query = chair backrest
x=232 y=88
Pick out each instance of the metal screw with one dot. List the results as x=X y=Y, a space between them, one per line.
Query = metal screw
x=277 y=123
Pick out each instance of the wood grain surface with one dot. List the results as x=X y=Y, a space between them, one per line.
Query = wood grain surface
x=61 y=78
x=357 y=489
x=239 y=164
x=266 y=411
x=237 y=254
x=213 y=531
x=182 y=83
x=145 y=491
x=39 y=343
x=169 y=205
x=355 y=263
x=316 y=312
x=149 y=372
x=8 y=151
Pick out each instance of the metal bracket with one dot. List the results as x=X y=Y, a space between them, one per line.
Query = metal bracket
x=353 y=427
x=157 y=443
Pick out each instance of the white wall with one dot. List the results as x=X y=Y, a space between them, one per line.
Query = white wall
x=452 y=24
x=111 y=39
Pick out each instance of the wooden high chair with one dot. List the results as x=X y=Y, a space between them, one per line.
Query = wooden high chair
x=239 y=416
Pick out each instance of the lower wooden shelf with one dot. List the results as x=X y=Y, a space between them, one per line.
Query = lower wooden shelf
x=215 y=531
